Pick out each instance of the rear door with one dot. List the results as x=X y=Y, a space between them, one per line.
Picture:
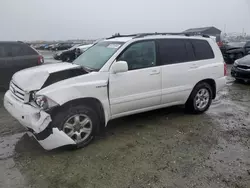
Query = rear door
x=178 y=70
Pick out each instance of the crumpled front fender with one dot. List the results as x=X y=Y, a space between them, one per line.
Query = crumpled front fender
x=56 y=139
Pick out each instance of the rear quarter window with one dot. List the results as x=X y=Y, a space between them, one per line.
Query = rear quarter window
x=15 y=50
x=174 y=51
x=202 y=50
x=20 y=49
x=27 y=50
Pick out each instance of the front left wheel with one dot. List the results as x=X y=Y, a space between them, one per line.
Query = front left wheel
x=80 y=123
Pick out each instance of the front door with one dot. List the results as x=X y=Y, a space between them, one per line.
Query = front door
x=139 y=88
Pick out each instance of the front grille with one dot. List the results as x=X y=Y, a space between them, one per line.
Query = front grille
x=243 y=67
x=18 y=93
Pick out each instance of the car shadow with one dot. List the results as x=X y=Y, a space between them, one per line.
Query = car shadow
x=135 y=122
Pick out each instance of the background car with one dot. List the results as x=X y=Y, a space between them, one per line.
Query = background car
x=81 y=49
x=15 y=56
x=51 y=46
x=67 y=55
x=41 y=46
x=240 y=69
x=235 y=50
x=61 y=46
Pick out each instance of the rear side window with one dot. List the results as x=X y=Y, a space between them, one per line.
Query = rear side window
x=27 y=50
x=17 y=49
x=202 y=50
x=174 y=51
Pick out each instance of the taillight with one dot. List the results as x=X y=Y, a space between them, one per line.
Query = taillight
x=220 y=44
x=225 y=69
x=40 y=60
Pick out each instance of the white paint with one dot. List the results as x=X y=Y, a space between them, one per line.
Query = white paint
x=119 y=67
x=56 y=139
x=133 y=90
x=121 y=94
x=33 y=78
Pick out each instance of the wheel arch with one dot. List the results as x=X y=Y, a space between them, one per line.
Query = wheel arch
x=211 y=82
x=90 y=102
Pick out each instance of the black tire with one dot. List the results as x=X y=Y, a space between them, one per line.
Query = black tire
x=62 y=116
x=190 y=105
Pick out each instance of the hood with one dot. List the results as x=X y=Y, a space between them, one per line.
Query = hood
x=232 y=47
x=34 y=78
x=235 y=45
x=244 y=61
x=60 y=52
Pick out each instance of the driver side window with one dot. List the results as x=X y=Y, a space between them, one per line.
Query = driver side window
x=140 y=55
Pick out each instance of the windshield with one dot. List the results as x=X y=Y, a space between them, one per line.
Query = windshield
x=237 y=44
x=96 y=56
x=75 y=46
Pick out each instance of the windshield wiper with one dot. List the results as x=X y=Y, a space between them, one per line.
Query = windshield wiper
x=88 y=69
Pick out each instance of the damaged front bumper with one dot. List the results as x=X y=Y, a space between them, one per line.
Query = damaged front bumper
x=37 y=122
x=240 y=74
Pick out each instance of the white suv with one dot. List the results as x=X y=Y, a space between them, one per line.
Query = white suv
x=68 y=104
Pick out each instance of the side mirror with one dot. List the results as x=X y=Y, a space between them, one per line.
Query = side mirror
x=119 y=66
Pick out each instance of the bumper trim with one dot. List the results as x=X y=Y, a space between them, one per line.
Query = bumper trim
x=57 y=139
x=37 y=122
x=240 y=74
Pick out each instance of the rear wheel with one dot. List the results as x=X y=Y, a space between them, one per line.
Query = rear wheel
x=80 y=123
x=200 y=99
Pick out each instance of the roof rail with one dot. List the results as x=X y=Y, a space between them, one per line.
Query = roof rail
x=148 y=34
x=118 y=35
x=140 y=35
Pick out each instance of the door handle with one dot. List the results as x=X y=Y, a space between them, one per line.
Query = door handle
x=155 y=72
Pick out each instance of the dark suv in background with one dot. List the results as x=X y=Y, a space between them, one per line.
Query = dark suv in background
x=232 y=51
x=15 y=56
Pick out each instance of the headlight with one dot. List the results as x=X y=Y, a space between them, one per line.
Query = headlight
x=236 y=63
x=44 y=102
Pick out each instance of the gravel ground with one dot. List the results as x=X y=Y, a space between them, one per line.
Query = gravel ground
x=160 y=149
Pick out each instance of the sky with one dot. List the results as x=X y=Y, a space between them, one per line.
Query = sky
x=91 y=19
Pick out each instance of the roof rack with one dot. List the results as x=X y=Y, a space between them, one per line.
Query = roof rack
x=140 y=35
x=118 y=35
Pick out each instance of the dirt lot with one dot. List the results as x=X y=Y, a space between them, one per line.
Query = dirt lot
x=160 y=149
